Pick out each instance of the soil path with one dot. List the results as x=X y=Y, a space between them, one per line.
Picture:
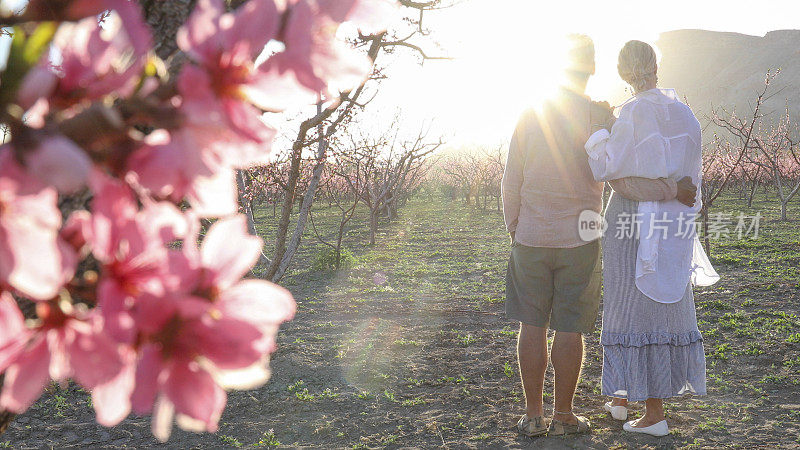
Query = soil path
x=427 y=359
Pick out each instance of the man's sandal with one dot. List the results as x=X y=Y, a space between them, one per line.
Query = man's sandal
x=559 y=428
x=532 y=427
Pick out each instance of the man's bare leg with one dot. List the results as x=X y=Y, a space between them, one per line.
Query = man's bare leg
x=532 y=356
x=616 y=401
x=567 y=357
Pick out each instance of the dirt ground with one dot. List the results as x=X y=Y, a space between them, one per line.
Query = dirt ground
x=427 y=359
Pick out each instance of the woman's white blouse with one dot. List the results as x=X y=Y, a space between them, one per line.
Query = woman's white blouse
x=657 y=136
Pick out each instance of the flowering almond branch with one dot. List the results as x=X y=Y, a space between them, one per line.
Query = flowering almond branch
x=128 y=303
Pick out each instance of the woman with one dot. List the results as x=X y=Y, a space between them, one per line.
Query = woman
x=652 y=348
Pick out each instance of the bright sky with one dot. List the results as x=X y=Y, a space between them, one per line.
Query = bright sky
x=507 y=53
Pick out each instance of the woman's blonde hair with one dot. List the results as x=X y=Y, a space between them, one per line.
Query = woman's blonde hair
x=637 y=64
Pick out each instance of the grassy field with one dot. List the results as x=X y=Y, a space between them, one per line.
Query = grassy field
x=409 y=346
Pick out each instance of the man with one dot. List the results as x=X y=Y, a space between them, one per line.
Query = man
x=553 y=278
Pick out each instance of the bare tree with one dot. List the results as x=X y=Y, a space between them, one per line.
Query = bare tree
x=777 y=148
x=326 y=122
x=476 y=173
x=723 y=157
x=389 y=167
x=344 y=188
x=493 y=168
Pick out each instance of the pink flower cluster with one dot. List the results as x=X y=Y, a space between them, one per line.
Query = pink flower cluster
x=133 y=301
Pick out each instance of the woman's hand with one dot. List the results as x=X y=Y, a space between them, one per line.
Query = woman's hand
x=687 y=191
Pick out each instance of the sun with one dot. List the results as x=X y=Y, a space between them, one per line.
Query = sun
x=483 y=90
x=504 y=80
x=504 y=60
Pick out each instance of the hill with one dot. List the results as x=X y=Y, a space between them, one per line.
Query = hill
x=711 y=69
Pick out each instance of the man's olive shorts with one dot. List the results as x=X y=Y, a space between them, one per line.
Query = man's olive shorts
x=557 y=288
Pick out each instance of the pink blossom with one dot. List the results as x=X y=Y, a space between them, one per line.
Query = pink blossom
x=229 y=130
x=131 y=247
x=221 y=130
x=176 y=386
x=33 y=259
x=186 y=343
x=174 y=167
x=213 y=37
x=40 y=81
x=63 y=346
x=59 y=162
x=216 y=102
x=213 y=331
x=259 y=302
x=370 y=16
x=100 y=61
x=314 y=60
x=227 y=253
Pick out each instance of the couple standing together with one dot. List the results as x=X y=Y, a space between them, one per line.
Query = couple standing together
x=558 y=160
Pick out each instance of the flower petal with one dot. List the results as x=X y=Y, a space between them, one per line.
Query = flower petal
x=94 y=358
x=112 y=400
x=199 y=36
x=25 y=380
x=195 y=394
x=255 y=23
x=12 y=322
x=247 y=378
x=29 y=253
x=60 y=368
x=148 y=372
x=13 y=333
x=118 y=322
x=371 y=16
x=60 y=162
x=229 y=251
x=258 y=302
x=215 y=195
x=228 y=343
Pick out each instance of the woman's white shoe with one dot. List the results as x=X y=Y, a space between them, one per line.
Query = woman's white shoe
x=657 y=429
x=617 y=412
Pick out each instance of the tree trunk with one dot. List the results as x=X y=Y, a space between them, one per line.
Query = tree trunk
x=785 y=202
x=784 y=199
x=339 y=237
x=373 y=226
x=305 y=207
x=164 y=19
x=286 y=210
x=706 y=240
x=752 y=192
x=248 y=212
